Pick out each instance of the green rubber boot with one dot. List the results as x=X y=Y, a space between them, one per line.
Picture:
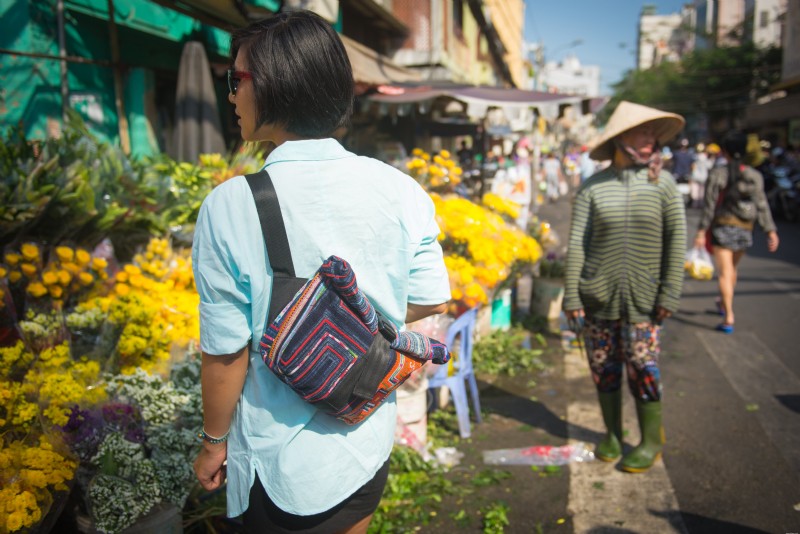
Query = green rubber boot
x=610 y=447
x=644 y=455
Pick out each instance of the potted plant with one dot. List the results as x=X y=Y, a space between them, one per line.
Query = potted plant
x=548 y=286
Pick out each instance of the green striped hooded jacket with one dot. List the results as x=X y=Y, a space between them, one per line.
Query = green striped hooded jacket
x=627 y=245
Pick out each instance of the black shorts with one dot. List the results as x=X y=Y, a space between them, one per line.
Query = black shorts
x=264 y=517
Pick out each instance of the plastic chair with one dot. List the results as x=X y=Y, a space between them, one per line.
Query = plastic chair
x=462 y=328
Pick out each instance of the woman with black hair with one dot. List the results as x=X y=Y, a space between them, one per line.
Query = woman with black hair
x=288 y=466
x=734 y=201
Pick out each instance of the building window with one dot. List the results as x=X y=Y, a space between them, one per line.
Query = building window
x=458 y=17
x=763 y=20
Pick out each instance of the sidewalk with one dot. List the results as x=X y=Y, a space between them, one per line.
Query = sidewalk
x=557 y=407
x=602 y=497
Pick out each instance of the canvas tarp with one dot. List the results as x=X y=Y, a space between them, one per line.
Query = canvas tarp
x=479 y=99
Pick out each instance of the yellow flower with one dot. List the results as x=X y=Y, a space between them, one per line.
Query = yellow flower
x=122 y=289
x=445 y=154
x=30 y=252
x=13 y=259
x=64 y=277
x=82 y=256
x=37 y=290
x=65 y=253
x=132 y=269
x=98 y=264
x=55 y=291
x=212 y=160
x=70 y=267
x=28 y=270
x=49 y=278
x=14 y=276
x=85 y=278
x=3 y=271
x=121 y=277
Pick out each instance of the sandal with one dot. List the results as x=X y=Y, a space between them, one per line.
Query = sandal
x=725 y=328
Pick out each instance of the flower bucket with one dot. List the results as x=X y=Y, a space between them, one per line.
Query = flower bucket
x=501 y=310
x=412 y=402
x=162 y=519
x=412 y=405
x=548 y=295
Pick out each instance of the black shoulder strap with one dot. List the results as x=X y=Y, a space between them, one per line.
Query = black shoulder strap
x=284 y=282
x=269 y=214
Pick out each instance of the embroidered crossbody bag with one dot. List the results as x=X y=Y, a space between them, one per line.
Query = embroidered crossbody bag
x=324 y=339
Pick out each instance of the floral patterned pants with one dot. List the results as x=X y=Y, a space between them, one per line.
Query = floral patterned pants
x=610 y=344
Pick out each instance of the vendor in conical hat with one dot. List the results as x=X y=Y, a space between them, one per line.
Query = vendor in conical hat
x=625 y=271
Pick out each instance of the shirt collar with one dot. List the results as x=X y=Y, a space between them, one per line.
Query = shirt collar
x=308 y=150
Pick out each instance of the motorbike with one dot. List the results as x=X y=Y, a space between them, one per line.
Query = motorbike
x=782 y=188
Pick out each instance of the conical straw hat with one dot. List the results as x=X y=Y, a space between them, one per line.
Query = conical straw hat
x=628 y=116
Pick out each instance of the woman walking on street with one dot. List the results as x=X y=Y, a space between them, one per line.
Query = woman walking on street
x=625 y=272
x=734 y=201
x=288 y=466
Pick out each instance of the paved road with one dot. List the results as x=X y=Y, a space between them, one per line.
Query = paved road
x=732 y=411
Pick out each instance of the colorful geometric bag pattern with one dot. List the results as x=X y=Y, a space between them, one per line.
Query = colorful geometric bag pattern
x=326 y=341
x=333 y=348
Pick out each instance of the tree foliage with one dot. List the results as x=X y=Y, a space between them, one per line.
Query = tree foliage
x=717 y=83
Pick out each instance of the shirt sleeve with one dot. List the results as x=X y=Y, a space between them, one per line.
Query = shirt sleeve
x=579 y=235
x=225 y=309
x=713 y=188
x=428 y=281
x=762 y=205
x=674 y=245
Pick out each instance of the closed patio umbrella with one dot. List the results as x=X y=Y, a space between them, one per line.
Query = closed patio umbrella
x=198 y=129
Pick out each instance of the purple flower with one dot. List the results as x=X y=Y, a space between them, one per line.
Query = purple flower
x=126 y=419
x=83 y=432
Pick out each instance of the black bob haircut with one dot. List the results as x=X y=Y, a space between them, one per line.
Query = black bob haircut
x=735 y=143
x=302 y=78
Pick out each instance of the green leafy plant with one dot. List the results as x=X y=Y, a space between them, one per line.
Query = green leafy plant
x=547 y=470
x=552 y=266
x=495 y=517
x=490 y=477
x=413 y=493
x=503 y=352
x=77 y=189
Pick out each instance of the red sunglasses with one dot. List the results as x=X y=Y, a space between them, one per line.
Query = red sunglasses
x=236 y=76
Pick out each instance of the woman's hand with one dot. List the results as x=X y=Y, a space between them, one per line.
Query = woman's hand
x=209 y=467
x=574 y=315
x=661 y=314
x=700 y=239
x=772 y=241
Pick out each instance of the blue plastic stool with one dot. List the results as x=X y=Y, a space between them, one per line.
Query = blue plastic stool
x=462 y=328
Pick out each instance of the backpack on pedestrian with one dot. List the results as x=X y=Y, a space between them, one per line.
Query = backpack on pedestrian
x=741 y=191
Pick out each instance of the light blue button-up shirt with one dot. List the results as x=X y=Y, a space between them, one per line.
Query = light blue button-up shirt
x=333 y=202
